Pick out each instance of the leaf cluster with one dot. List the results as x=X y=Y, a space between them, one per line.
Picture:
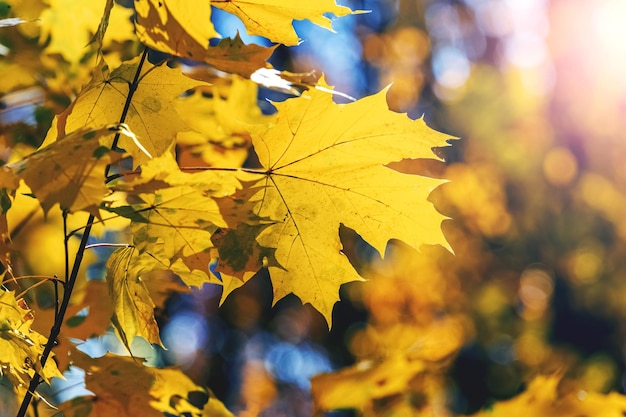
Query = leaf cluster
x=111 y=154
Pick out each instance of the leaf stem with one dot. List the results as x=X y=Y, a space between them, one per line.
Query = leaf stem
x=65 y=247
x=73 y=232
x=42 y=277
x=190 y=169
x=248 y=170
x=20 y=295
x=109 y=245
x=71 y=280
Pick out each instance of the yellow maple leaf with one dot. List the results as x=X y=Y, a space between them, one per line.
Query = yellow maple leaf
x=29 y=10
x=233 y=56
x=223 y=111
x=151 y=114
x=174 y=215
x=21 y=347
x=88 y=315
x=123 y=387
x=69 y=26
x=541 y=399
x=183 y=28
x=178 y=27
x=273 y=19
x=359 y=385
x=220 y=116
x=132 y=277
x=71 y=170
x=133 y=308
x=324 y=165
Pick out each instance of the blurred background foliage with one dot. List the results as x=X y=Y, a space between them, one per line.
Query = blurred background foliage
x=534 y=89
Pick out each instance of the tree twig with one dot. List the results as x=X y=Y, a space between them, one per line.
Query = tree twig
x=71 y=280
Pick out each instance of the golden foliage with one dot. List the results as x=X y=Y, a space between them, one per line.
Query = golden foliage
x=21 y=347
x=322 y=165
x=273 y=19
x=320 y=173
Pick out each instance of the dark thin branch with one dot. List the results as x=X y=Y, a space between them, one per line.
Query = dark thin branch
x=58 y=320
x=131 y=91
x=71 y=279
x=56 y=297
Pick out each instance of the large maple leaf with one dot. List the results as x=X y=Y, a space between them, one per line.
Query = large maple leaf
x=151 y=113
x=323 y=166
x=273 y=19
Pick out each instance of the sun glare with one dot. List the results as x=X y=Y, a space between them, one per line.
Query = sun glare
x=609 y=32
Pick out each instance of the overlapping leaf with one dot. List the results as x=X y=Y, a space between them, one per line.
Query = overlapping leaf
x=273 y=19
x=21 y=347
x=133 y=280
x=68 y=25
x=183 y=28
x=88 y=315
x=70 y=171
x=233 y=56
x=177 y=27
x=151 y=114
x=324 y=165
x=123 y=387
x=9 y=182
x=220 y=115
x=174 y=215
x=133 y=308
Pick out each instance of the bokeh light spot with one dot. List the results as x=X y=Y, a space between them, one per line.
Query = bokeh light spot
x=585 y=264
x=608 y=26
x=560 y=166
x=451 y=67
x=184 y=336
x=535 y=291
